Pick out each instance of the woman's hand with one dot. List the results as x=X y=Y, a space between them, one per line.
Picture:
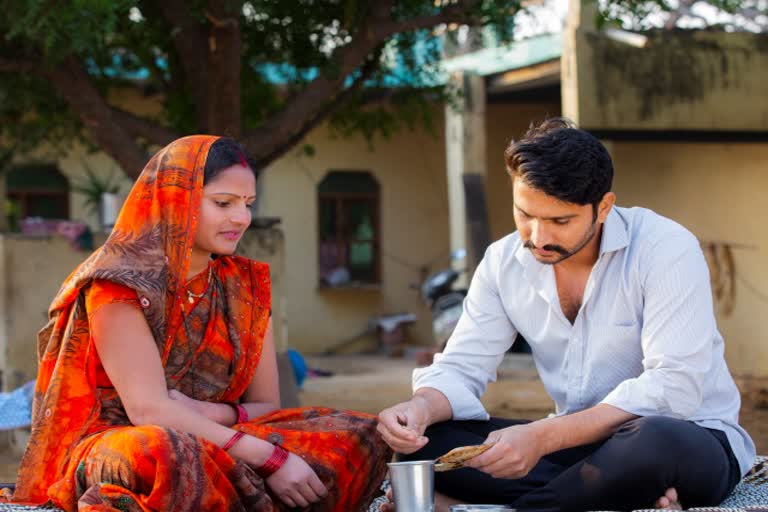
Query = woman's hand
x=296 y=484
x=222 y=414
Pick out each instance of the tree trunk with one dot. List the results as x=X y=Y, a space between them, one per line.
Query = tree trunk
x=189 y=40
x=224 y=57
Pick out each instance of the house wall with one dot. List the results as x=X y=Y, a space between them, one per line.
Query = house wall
x=683 y=80
x=410 y=169
x=34 y=269
x=718 y=192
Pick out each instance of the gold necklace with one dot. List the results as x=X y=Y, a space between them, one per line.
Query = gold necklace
x=192 y=296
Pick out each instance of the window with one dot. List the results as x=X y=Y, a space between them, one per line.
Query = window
x=37 y=190
x=348 y=213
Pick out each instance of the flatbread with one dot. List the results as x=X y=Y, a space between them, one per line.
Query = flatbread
x=456 y=458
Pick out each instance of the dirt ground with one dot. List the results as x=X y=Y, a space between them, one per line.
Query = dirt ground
x=371 y=383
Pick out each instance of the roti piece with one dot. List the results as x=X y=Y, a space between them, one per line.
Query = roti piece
x=456 y=458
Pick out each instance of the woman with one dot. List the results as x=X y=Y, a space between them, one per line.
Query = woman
x=157 y=385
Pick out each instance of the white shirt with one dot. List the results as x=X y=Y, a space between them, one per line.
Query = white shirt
x=644 y=340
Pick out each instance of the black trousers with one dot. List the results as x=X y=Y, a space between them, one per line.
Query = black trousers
x=629 y=470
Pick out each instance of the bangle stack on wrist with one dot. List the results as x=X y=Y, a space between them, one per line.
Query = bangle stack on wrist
x=274 y=462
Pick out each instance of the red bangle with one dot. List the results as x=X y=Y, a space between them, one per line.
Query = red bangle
x=232 y=440
x=240 y=411
x=274 y=462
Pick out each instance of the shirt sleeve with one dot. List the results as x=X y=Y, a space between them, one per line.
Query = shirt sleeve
x=678 y=333
x=103 y=292
x=475 y=349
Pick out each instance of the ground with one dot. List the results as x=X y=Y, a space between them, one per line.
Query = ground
x=371 y=383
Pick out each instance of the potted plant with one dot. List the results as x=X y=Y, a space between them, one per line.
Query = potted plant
x=99 y=196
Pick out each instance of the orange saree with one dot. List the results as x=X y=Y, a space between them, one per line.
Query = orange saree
x=84 y=453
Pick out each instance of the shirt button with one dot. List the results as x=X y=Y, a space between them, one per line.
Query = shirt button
x=48 y=413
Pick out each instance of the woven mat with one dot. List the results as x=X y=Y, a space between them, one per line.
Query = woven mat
x=8 y=507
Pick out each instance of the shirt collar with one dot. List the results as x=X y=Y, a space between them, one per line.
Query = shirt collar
x=614 y=238
x=615 y=234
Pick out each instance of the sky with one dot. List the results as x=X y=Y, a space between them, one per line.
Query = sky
x=549 y=16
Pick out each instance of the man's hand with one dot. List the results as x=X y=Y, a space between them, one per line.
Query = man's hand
x=516 y=450
x=402 y=426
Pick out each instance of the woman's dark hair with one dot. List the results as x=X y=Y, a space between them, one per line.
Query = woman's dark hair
x=562 y=161
x=225 y=153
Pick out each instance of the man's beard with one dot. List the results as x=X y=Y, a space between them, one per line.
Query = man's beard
x=562 y=251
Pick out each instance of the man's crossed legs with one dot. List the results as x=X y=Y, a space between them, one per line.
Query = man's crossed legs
x=633 y=468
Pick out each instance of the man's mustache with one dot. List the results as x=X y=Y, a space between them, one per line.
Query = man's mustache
x=553 y=248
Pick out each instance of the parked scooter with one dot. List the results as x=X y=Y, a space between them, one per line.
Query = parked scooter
x=444 y=301
x=446 y=304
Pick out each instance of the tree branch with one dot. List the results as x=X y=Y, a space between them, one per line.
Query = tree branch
x=139 y=127
x=115 y=130
x=16 y=66
x=325 y=93
x=17 y=58
x=457 y=13
x=74 y=85
x=366 y=71
x=225 y=49
x=94 y=104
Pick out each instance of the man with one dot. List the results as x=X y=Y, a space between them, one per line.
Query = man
x=617 y=308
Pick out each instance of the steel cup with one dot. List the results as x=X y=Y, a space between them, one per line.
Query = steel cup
x=413 y=485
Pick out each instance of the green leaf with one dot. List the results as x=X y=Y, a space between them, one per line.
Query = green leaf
x=92 y=187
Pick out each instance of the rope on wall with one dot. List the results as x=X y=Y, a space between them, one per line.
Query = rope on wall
x=723 y=274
